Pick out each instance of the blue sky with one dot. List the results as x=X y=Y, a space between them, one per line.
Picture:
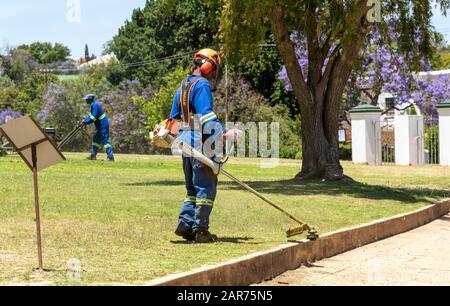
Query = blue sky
x=25 y=21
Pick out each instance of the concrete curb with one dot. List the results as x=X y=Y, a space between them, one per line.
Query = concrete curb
x=261 y=266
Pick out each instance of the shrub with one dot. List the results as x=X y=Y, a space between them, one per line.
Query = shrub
x=128 y=124
x=159 y=105
x=18 y=97
x=5 y=116
x=5 y=81
x=345 y=151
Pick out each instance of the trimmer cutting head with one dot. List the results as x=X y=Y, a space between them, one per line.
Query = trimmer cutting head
x=312 y=232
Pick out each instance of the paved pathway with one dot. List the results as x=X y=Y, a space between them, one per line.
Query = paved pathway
x=418 y=257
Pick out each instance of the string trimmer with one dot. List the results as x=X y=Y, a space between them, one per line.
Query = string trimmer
x=164 y=136
x=70 y=135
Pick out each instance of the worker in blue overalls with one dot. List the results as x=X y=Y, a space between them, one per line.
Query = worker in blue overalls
x=101 y=122
x=194 y=97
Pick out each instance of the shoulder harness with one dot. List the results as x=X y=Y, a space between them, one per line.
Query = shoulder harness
x=185 y=97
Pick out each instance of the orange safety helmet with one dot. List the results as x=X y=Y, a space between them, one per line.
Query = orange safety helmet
x=208 y=60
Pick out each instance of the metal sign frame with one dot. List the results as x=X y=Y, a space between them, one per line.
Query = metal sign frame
x=34 y=168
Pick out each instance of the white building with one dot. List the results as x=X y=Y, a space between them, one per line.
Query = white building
x=105 y=59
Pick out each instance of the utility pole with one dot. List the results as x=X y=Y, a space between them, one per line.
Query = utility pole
x=226 y=93
x=45 y=72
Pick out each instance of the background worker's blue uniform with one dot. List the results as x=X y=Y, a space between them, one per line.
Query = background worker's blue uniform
x=201 y=182
x=101 y=136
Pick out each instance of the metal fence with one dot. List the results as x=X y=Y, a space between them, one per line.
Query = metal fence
x=387 y=141
x=431 y=140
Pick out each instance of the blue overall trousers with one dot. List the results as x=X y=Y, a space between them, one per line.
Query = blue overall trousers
x=101 y=136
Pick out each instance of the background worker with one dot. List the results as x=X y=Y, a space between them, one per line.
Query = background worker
x=194 y=97
x=101 y=122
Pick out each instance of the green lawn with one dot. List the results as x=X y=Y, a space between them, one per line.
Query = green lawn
x=118 y=218
x=68 y=77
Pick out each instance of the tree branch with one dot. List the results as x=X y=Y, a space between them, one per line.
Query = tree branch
x=287 y=51
x=342 y=68
x=351 y=46
x=328 y=69
x=369 y=94
x=315 y=60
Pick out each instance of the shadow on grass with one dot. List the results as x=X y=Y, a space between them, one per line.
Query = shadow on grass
x=299 y=188
x=236 y=240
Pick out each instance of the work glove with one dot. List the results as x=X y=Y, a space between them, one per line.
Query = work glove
x=234 y=135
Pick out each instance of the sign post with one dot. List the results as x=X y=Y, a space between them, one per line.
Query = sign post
x=38 y=152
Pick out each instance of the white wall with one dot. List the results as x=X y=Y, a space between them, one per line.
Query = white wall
x=366 y=138
x=444 y=136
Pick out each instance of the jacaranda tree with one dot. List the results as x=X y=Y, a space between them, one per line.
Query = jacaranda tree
x=336 y=33
x=382 y=68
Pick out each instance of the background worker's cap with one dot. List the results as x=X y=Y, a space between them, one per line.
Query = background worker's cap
x=89 y=97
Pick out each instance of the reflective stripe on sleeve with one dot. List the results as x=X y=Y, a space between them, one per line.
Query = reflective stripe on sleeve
x=207 y=117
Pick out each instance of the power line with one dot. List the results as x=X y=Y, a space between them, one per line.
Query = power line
x=143 y=63
x=170 y=57
x=157 y=60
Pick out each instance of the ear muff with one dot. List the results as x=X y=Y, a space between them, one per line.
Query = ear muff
x=207 y=67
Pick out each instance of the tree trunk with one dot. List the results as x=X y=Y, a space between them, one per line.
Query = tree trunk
x=320 y=95
x=320 y=144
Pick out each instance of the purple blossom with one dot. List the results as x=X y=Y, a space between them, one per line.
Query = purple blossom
x=383 y=68
x=8 y=114
x=53 y=102
x=125 y=116
x=431 y=92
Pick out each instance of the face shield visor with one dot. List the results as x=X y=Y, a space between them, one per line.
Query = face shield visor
x=215 y=80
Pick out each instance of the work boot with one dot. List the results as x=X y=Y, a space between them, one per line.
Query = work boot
x=189 y=236
x=111 y=159
x=91 y=158
x=205 y=237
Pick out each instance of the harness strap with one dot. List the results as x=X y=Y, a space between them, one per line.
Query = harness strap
x=185 y=97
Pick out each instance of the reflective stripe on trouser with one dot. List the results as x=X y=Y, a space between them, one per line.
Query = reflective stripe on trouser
x=101 y=136
x=201 y=182
x=187 y=215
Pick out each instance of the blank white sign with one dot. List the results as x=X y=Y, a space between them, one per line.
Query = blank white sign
x=23 y=132
x=342 y=137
